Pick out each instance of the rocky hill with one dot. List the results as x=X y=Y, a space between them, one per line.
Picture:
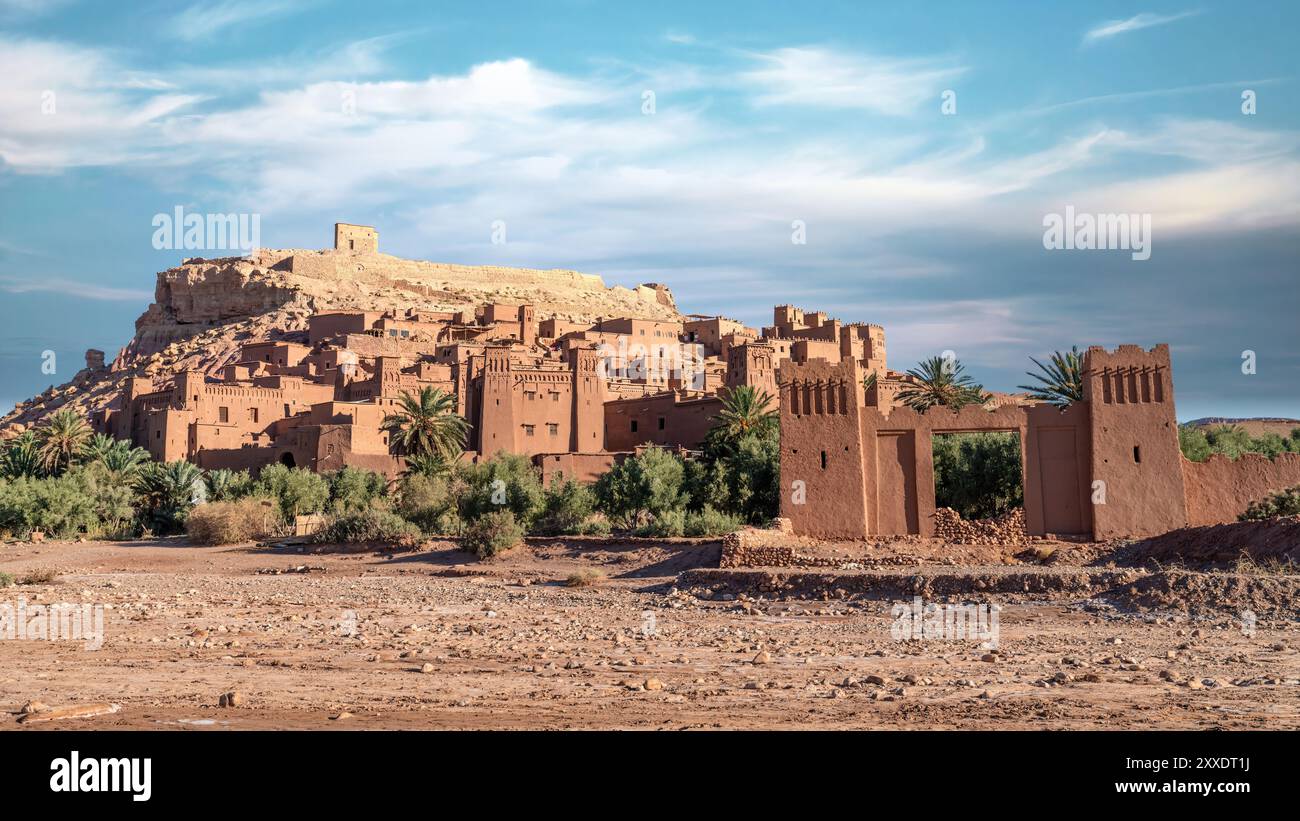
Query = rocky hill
x=205 y=309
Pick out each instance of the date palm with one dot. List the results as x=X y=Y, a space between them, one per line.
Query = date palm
x=22 y=457
x=61 y=439
x=745 y=410
x=1060 y=381
x=427 y=425
x=940 y=381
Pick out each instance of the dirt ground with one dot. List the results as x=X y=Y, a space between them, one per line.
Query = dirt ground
x=436 y=639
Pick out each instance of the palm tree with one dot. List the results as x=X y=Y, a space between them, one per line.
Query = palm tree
x=939 y=381
x=169 y=490
x=125 y=459
x=745 y=410
x=22 y=457
x=1061 y=380
x=427 y=425
x=430 y=464
x=61 y=439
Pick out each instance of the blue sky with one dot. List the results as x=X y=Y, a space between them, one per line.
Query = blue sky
x=464 y=114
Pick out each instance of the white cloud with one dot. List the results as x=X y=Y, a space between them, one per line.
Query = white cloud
x=202 y=21
x=829 y=79
x=1112 y=28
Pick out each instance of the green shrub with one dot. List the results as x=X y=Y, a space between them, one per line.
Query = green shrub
x=666 y=523
x=167 y=492
x=297 y=490
x=228 y=485
x=353 y=490
x=60 y=506
x=1199 y=443
x=507 y=481
x=567 y=507
x=643 y=487
x=427 y=502
x=710 y=522
x=369 y=526
x=246 y=520
x=595 y=526
x=1279 y=503
x=493 y=533
x=707 y=483
x=978 y=474
x=6 y=580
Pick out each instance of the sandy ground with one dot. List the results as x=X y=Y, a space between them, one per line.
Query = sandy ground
x=436 y=639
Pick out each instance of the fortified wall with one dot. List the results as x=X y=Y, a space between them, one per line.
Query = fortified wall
x=1109 y=466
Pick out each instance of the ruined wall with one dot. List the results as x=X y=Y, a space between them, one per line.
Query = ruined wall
x=1219 y=489
x=358 y=239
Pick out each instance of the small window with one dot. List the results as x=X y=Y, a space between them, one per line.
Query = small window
x=661 y=423
x=823 y=460
x=1137 y=454
x=252 y=415
x=634 y=426
x=223 y=415
x=286 y=410
x=528 y=430
x=553 y=428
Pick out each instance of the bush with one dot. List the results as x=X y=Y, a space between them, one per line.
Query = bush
x=247 y=520
x=426 y=502
x=710 y=522
x=228 y=485
x=507 y=481
x=353 y=490
x=297 y=490
x=667 y=523
x=369 y=526
x=167 y=492
x=567 y=506
x=1279 y=503
x=6 y=580
x=585 y=578
x=1199 y=443
x=61 y=506
x=646 y=486
x=493 y=533
x=753 y=474
x=978 y=474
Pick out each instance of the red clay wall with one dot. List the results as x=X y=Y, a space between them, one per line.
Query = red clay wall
x=1219 y=489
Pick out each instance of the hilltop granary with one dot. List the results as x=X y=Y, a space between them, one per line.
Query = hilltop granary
x=576 y=396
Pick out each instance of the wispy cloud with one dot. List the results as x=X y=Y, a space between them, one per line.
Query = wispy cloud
x=1145 y=20
x=201 y=21
x=814 y=76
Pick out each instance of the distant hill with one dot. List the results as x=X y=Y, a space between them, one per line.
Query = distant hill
x=1255 y=426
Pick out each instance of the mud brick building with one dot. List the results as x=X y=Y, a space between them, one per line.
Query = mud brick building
x=854 y=464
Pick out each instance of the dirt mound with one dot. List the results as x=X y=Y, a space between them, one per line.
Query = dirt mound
x=1212 y=593
x=1269 y=542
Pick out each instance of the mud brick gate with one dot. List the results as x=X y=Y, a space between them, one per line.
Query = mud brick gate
x=1108 y=466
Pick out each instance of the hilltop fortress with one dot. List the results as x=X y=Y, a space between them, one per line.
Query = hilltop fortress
x=295 y=357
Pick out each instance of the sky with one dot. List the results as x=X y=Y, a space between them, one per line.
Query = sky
x=893 y=163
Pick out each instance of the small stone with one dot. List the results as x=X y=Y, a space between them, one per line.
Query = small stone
x=763 y=657
x=232 y=699
x=653 y=684
x=426 y=668
x=343 y=716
